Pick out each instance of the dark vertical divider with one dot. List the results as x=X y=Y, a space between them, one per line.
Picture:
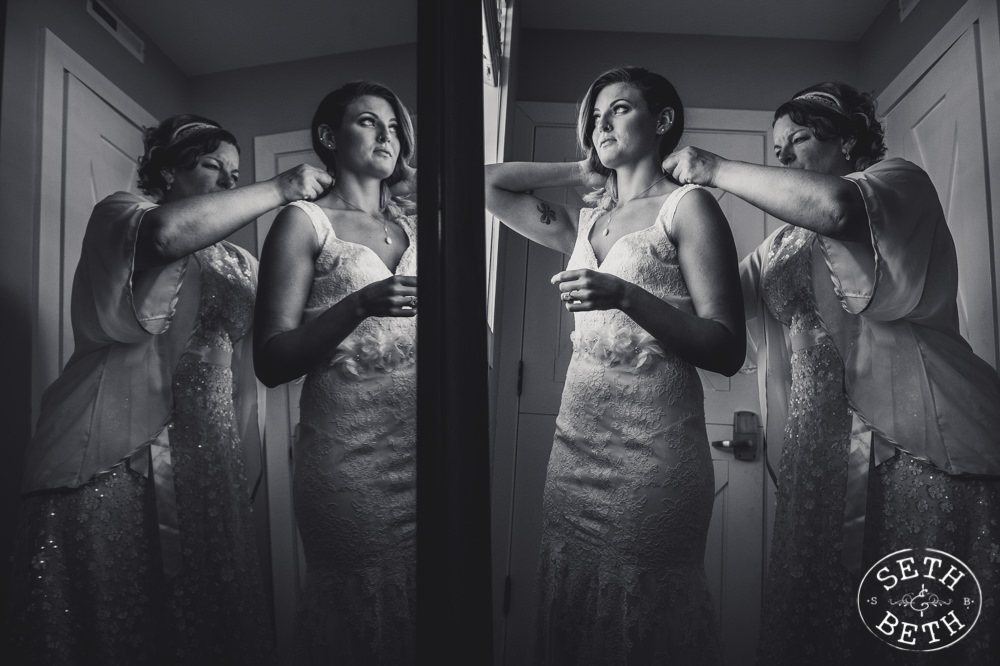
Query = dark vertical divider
x=453 y=517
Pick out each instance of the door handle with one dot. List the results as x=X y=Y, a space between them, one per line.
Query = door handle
x=743 y=445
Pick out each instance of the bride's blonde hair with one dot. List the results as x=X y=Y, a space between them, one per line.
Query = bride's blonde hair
x=658 y=94
x=330 y=112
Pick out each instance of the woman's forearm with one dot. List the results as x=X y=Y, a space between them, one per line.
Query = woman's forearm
x=508 y=187
x=288 y=355
x=527 y=176
x=829 y=205
x=705 y=343
x=176 y=229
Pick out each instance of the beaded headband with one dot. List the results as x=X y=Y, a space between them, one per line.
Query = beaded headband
x=188 y=128
x=826 y=99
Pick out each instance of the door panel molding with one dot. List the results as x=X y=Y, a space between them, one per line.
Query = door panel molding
x=981 y=17
x=938 y=125
x=60 y=61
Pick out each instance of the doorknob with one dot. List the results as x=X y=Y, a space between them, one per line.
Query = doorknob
x=743 y=445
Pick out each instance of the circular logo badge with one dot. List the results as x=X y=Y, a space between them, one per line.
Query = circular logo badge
x=920 y=599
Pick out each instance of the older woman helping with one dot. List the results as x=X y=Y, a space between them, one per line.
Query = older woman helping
x=890 y=420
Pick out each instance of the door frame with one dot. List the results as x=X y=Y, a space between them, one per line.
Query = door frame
x=982 y=16
x=60 y=60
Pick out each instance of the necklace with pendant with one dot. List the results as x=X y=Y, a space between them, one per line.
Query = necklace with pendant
x=611 y=213
x=381 y=220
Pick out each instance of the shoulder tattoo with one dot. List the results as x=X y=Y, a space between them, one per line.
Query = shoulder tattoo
x=547 y=213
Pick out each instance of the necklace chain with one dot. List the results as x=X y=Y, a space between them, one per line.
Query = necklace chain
x=611 y=213
x=382 y=220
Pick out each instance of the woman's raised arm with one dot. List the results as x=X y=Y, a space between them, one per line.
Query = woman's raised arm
x=176 y=229
x=824 y=203
x=508 y=196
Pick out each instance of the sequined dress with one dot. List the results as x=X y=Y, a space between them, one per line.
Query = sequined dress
x=810 y=601
x=809 y=611
x=98 y=591
x=355 y=471
x=629 y=487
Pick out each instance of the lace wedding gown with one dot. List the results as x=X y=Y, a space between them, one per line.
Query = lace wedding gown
x=629 y=488
x=354 y=482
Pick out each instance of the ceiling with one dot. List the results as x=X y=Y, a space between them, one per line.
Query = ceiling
x=207 y=36
x=836 y=20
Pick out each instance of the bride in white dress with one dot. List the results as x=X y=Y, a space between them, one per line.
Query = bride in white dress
x=653 y=282
x=337 y=302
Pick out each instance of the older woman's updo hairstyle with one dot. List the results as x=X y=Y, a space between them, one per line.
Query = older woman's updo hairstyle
x=658 y=94
x=835 y=110
x=177 y=143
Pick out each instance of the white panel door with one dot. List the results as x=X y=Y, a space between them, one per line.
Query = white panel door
x=938 y=125
x=91 y=137
x=734 y=557
x=101 y=148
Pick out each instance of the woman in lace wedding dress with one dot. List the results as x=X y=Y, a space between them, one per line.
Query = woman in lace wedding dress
x=337 y=302
x=653 y=283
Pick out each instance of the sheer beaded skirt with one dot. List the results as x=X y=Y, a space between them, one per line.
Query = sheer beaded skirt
x=97 y=593
x=810 y=600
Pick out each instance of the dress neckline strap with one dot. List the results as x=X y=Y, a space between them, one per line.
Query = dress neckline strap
x=669 y=207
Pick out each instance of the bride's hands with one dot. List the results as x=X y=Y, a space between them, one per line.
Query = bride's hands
x=395 y=296
x=583 y=289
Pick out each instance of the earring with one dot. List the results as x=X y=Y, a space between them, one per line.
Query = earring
x=847 y=156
